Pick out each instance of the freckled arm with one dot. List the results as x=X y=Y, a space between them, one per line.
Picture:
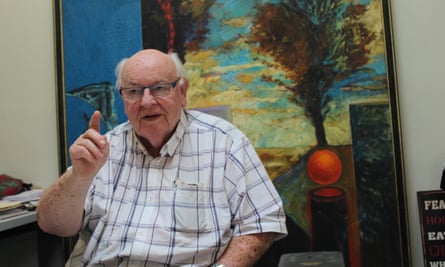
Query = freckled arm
x=244 y=251
x=60 y=209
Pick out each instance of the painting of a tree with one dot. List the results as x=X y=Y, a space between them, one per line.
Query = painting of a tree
x=319 y=43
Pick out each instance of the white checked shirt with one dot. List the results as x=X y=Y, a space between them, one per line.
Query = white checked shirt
x=181 y=208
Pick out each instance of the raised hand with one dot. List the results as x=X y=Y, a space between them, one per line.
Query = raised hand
x=90 y=150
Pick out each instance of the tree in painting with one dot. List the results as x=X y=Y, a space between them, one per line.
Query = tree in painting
x=319 y=43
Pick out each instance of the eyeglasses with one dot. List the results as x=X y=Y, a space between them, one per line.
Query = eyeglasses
x=156 y=90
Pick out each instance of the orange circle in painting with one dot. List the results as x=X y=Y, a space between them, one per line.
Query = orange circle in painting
x=324 y=167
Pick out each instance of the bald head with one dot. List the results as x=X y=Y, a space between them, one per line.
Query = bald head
x=150 y=62
x=149 y=66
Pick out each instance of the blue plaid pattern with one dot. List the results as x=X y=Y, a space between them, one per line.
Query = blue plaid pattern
x=179 y=209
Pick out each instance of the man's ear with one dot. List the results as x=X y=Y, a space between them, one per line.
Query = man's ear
x=184 y=85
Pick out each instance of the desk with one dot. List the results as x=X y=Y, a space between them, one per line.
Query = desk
x=20 y=235
x=18 y=220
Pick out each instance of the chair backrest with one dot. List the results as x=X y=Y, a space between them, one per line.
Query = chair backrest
x=222 y=111
x=319 y=259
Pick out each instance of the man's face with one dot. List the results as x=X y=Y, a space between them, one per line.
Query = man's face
x=153 y=118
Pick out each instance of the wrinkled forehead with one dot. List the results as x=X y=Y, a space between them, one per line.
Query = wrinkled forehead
x=149 y=66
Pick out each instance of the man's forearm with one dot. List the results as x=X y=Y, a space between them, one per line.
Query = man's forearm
x=244 y=251
x=61 y=206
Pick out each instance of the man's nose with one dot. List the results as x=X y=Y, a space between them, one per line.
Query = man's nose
x=147 y=98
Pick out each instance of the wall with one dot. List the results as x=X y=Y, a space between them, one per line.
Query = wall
x=419 y=42
x=28 y=133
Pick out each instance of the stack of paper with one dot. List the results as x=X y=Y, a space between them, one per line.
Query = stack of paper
x=7 y=205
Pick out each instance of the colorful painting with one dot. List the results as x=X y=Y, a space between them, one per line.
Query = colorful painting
x=311 y=83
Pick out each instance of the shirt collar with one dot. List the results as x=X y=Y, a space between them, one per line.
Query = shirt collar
x=169 y=148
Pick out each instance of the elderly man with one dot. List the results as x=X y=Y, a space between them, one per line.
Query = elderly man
x=170 y=187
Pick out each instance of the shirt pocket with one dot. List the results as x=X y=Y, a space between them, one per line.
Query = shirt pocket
x=199 y=209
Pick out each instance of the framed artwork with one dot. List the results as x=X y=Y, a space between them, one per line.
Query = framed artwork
x=311 y=83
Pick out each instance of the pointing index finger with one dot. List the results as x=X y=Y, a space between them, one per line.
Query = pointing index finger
x=95 y=121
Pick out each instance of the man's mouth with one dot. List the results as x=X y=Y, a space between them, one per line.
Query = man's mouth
x=151 y=117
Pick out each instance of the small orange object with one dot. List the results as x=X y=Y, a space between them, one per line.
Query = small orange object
x=324 y=167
